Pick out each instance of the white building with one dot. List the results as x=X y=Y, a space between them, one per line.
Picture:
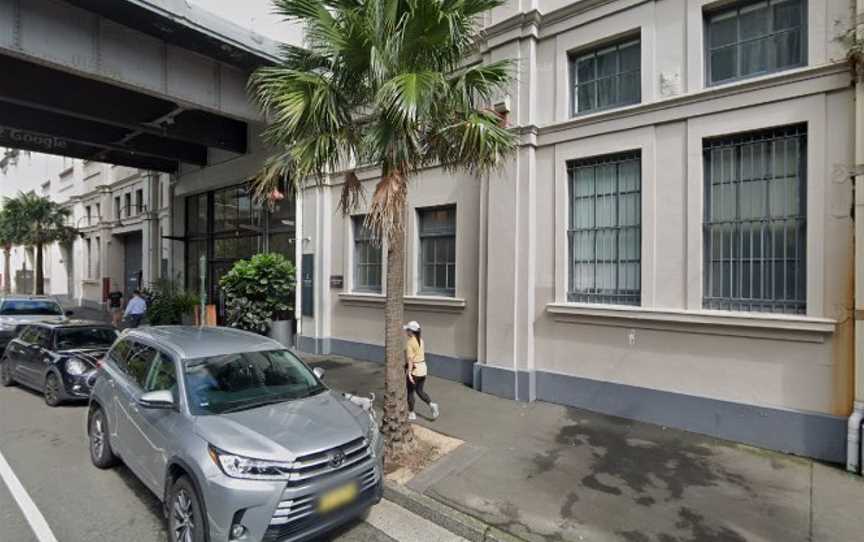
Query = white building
x=120 y=212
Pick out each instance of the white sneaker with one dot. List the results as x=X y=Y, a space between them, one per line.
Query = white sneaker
x=412 y=417
x=435 y=411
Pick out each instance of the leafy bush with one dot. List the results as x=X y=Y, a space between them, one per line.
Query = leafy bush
x=167 y=303
x=258 y=291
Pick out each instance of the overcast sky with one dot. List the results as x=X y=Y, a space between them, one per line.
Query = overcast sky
x=254 y=14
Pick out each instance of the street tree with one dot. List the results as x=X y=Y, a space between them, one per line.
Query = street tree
x=386 y=83
x=7 y=237
x=36 y=221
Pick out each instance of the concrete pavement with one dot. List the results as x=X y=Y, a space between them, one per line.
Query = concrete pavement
x=548 y=473
x=47 y=450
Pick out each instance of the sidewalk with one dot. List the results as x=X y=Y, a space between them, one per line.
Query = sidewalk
x=548 y=473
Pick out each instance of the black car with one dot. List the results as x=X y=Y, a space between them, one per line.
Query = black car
x=56 y=357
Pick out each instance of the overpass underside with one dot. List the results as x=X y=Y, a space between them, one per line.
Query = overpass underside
x=148 y=84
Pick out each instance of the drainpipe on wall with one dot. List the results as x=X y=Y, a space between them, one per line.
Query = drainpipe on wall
x=853 y=450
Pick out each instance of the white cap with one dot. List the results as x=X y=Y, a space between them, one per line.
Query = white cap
x=413 y=325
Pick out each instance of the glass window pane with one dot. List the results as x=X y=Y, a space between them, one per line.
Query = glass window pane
x=585 y=69
x=787 y=14
x=629 y=88
x=607 y=62
x=754 y=57
x=787 y=49
x=724 y=63
x=606 y=92
x=753 y=21
x=723 y=29
x=631 y=56
x=586 y=100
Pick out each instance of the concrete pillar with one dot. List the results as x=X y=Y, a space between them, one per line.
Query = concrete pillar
x=508 y=246
x=152 y=251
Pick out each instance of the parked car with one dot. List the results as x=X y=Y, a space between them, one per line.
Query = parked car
x=23 y=309
x=55 y=358
x=235 y=434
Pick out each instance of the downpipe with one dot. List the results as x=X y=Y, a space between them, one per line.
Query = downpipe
x=853 y=439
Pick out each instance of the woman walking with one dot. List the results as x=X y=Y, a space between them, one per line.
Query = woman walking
x=415 y=355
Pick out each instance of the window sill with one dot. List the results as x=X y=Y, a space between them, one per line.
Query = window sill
x=732 y=324
x=435 y=303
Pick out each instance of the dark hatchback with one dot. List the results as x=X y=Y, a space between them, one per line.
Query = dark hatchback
x=56 y=357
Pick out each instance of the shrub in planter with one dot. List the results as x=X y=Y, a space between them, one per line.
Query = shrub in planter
x=258 y=291
x=167 y=303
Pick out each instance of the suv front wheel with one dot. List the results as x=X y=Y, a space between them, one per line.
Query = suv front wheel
x=186 y=522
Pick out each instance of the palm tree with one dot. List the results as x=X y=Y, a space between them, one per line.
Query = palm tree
x=7 y=236
x=384 y=82
x=35 y=221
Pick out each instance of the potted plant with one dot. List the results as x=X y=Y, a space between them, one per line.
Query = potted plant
x=168 y=304
x=258 y=293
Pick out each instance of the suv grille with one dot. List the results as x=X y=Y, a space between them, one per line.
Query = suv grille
x=298 y=509
x=313 y=467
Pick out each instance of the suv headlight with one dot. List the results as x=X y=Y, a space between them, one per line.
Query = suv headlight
x=76 y=367
x=246 y=468
x=374 y=433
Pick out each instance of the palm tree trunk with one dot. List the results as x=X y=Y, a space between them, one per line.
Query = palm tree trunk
x=40 y=276
x=7 y=266
x=399 y=437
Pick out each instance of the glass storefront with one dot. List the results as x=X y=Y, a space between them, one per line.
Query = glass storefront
x=225 y=226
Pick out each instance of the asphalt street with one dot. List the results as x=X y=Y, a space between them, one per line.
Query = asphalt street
x=46 y=450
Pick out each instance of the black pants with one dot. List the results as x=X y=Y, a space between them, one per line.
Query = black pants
x=134 y=320
x=417 y=387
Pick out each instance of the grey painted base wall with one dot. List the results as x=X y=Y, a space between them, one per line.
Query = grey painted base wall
x=808 y=434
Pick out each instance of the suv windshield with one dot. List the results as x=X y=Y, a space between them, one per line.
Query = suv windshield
x=246 y=380
x=30 y=307
x=85 y=337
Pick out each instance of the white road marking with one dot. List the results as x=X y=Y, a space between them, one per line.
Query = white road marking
x=32 y=514
x=406 y=526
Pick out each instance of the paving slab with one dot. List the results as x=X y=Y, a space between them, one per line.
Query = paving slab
x=838 y=504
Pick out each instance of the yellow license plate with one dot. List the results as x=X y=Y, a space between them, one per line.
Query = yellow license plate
x=337 y=498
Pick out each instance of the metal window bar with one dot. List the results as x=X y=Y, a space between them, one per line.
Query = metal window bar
x=605 y=250
x=438 y=251
x=618 y=97
x=755 y=229
x=771 y=40
x=367 y=258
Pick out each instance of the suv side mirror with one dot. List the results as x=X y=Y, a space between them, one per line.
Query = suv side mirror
x=318 y=372
x=70 y=313
x=162 y=399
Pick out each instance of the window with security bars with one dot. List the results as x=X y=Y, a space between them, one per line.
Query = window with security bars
x=437 y=235
x=605 y=230
x=367 y=257
x=752 y=38
x=755 y=221
x=606 y=77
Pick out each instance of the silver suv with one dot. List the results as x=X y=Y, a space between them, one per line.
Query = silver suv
x=236 y=435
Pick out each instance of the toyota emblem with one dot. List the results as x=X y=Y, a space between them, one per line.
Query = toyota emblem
x=337 y=458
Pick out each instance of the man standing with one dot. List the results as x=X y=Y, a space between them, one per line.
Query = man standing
x=135 y=309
